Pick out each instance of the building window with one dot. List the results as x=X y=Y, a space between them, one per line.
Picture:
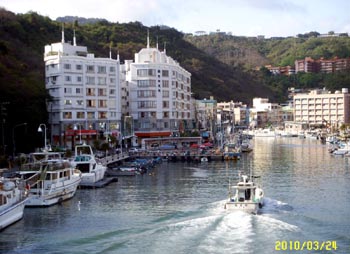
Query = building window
x=165 y=83
x=68 y=90
x=79 y=67
x=165 y=104
x=102 y=115
x=101 y=80
x=80 y=102
x=90 y=80
x=112 y=91
x=90 y=92
x=165 y=94
x=102 y=103
x=112 y=69
x=146 y=93
x=102 y=92
x=67 y=115
x=146 y=104
x=146 y=83
x=146 y=72
x=67 y=102
x=90 y=68
x=80 y=115
x=66 y=66
x=90 y=115
x=165 y=73
x=67 y=78
x=91 y=103
x=78 y=90
x=101 y=69
x=79 y=79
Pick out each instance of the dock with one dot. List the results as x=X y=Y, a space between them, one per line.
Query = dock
x=100 y=184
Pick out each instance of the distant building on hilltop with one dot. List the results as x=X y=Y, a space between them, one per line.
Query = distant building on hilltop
x=322 y=65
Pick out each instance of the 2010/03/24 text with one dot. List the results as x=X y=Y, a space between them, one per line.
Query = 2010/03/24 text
x=305 y=245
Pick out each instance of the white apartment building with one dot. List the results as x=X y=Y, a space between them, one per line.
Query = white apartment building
x=158 y=93
x=265 y=113
x=85 y=93
x=321 y=107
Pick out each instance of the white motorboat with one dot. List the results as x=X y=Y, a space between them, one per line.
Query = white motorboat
x=342 y=149
x=246 y=146
x=13 y=195
x=51 y=179
x=204 y=159
x=84 y=160
x=245 y=196
x=267 y=132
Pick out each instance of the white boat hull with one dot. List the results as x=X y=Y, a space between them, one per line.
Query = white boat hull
x=93 y=177
x=53 y=195
x=12 y=214
x=249 y=207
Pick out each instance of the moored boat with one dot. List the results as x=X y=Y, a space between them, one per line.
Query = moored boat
x=13 y=195
x=51 y=179
x=84 y=160
x=245 y=196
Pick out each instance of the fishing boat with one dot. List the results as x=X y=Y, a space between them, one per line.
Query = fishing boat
x=245 y=196
x=232 y=151
x=92 y=170
x=50 y=179
x=13 y=195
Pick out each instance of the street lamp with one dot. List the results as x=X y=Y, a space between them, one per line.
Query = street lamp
x=76 y=128
x=41 y=130
x=13 y=137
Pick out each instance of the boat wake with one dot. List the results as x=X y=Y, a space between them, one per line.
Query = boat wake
x=204 y=229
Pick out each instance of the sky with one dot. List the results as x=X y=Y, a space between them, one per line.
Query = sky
x=270 y=18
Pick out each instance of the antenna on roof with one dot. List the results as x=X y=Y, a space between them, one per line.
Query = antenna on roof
x=74 y=39
x=110 y=50
x=62 y=33
x=147 y=38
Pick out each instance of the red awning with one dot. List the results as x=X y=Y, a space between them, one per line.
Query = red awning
x=80 y=132
x=153 y=134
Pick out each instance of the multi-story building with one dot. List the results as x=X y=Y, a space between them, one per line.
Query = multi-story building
x=85 y=92
x=265 y=113
x=322 y=65
x=320 y=107
x=206 y=117
x=159 y=94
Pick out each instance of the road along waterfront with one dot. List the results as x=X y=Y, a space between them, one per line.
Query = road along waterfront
x=178 y=208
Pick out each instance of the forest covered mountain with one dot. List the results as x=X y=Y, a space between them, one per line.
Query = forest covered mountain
x=221 y=66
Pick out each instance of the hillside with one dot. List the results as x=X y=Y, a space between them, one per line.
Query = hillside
x=251 y=52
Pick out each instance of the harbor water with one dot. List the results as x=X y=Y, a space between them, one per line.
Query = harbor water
x=179 y=208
